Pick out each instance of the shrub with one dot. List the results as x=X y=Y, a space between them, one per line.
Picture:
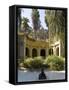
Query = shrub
x=34 y=63
x=37 y=62
x=51 y=62
x=55 y=62
x=45 y=66
x=27 y=62
x=20 y=62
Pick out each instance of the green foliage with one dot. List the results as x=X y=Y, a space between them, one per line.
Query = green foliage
x=20 y=62
x=55 y=62
x=27 y=62
x=34 y=63
x=25 y=24
x=35 y=19
x=55 y=20
x=37 y=62
x=51 y=63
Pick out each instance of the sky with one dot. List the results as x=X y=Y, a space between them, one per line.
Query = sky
x=27 y=13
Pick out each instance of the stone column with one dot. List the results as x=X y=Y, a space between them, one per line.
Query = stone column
x=54 y=50
x=30 y=52
x=24 y=47
x=60 y=48
x=47 y=52
x=21 y=47
x=59 y=51
x=38 y=52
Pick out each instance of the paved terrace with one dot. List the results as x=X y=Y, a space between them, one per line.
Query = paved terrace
x=33 y=75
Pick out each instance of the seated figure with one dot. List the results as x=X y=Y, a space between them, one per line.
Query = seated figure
x=42 y=75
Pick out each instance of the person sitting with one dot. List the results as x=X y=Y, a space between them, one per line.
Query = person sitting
x=42 y=75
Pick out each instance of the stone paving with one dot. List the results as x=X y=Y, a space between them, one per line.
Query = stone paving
x=33 y=75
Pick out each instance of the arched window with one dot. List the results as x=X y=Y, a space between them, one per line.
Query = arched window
x=34 y=52
x=42 y=52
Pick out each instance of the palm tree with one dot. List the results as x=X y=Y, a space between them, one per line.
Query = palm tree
x=26 y=28
x=55 y=20
x=35 y=20
x=25 y=24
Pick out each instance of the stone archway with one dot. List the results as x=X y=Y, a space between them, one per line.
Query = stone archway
x=34 y=52
x=27 y=52
x=57 y=51
x=50 y=51
x=42 y=53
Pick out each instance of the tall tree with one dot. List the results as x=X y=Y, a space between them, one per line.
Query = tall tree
x=35 y=20
x=26 y=28
x=25 y=24
x=56 y=22
x=56 y=25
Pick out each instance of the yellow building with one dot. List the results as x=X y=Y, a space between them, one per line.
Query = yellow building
x=29 y=47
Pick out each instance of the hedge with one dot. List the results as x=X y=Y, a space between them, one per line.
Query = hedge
x=51 y=63
x=55 y=62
